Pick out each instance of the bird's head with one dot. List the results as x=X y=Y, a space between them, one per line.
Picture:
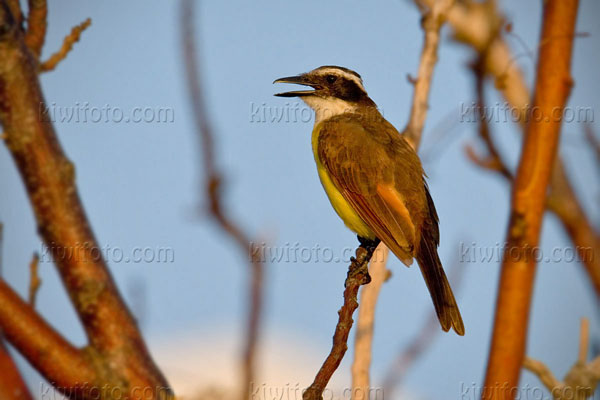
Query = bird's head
x=334 y=90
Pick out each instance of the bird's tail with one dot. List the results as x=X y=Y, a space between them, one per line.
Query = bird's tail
x=439 y=287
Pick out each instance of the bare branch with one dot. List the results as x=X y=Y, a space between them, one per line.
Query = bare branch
x=553 y=84
x=543 y=373
x=12 y=385
x=60 y=362
x=36 y=26
x=584 y=340
x=476 y=24
x=433 y=18
x=66 y=47
x=563 y=202
x=581 y=380
x=593 y=141
x=493 y=161
x=365 y=323
x=358 y=274
x=34 y=279
x=118 y=349
x=1 y=249
x=213 y=190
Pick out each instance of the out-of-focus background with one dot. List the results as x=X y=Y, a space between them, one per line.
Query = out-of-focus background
x=186 y=282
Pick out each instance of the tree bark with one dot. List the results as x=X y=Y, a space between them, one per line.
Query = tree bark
x=540 y=147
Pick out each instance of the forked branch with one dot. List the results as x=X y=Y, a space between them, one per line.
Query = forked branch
x=582 y=379
x=116 y=354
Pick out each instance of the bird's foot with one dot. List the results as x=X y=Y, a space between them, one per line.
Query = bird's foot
x=369 y=244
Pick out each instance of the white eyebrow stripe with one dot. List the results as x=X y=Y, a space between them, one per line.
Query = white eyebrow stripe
x=345 y=74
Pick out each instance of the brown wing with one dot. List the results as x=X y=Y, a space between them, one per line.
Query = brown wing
x=375 y=170
x=381 y=177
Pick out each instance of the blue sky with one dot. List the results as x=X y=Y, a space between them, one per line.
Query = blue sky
x=140 y=183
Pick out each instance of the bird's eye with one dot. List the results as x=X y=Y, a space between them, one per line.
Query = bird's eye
x=331 y=78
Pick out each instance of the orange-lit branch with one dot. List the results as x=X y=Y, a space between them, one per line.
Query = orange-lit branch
x=34 y=279
x=12 y=386
x=72 y=38
x=36 y=26
x=553 y=84
x=55 y=358
x=49 y=177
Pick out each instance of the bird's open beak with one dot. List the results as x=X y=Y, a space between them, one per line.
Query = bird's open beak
x=298 y=80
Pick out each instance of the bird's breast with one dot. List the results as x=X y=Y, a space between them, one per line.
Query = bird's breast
x=344 y=210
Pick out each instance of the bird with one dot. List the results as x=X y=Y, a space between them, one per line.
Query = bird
x=374 y=178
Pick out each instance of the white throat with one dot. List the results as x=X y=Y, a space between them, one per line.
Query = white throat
x=328 y=107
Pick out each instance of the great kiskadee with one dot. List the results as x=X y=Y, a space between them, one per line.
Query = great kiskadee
x=374 y=178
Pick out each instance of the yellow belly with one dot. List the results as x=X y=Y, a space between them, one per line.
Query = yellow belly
x=345 y=211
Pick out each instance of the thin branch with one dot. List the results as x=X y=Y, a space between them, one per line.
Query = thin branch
x=1 y=249
x=543 y=373
x=213 y=190
x=433 y=18
x=553 y=84
x=493 y=161
x=584 y=340
x=365 y=323
x=358 y=274
x=66 y=47
x=36 y=26
x=12 y=385
x=119 y=352
x=593 y=141
x=34 y=279
x=581 y=380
